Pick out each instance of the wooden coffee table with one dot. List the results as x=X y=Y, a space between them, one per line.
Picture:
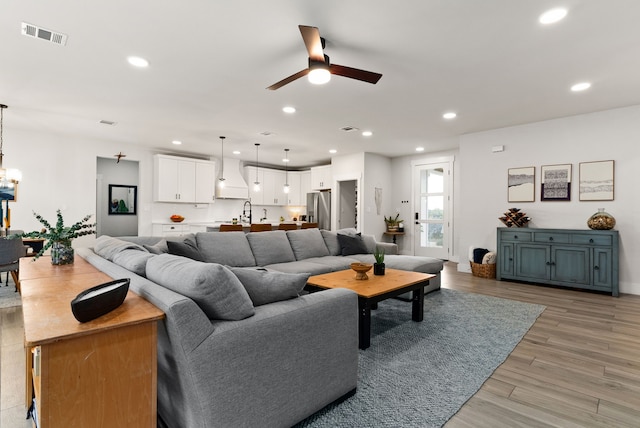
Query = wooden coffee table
x=373 y=290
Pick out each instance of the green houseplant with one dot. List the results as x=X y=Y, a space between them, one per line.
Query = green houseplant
x=378 y=266
x=392 y=222
x=59 y=237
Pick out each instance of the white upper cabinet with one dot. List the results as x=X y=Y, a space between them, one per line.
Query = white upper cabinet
x=294 y=196
x=185 y=180
x=321 y=177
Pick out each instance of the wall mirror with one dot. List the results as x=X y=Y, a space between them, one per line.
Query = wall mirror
x=123 y=199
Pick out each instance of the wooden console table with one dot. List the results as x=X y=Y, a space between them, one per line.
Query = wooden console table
x=102 y=373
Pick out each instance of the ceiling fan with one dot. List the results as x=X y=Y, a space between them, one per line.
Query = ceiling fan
x=320 y=70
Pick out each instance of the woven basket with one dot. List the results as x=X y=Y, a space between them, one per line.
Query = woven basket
x=483 y=270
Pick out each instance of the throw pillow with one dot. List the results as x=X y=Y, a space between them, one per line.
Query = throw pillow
x=214 y=288
x=270 y=247
x=351 y=245
x=266 y=286
x=188 y=248
x=107 y=247
x=307 y=243
x=133 y=260
x=158 y=248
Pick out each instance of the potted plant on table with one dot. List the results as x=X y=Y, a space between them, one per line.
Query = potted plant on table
x=392 y=222
x=59 y=237
x=378 y=266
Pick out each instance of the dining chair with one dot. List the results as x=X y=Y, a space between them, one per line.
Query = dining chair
x=287 y=226
x=10 y=252
x=309 y=226
x=260 y=227
x=230 y=228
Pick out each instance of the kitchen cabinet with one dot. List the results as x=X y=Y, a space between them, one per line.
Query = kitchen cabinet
x=185 y=180
x=321 y=177
x=586 y=259
x=170 y=229
x=271 y=186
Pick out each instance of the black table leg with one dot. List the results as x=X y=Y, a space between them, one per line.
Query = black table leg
x=364 y=323
x=417 y=309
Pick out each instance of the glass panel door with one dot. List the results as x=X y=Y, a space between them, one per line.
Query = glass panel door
x=432 y=211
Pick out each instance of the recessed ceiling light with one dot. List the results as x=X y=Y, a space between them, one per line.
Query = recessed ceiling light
x=333 y=151
x=136 y=61
x=236 y=152
x=176 y=142
x=289 y=109
x=581 y=86
x=449 y=115
x=419 y=149
x=367 y=133
x=552 y=16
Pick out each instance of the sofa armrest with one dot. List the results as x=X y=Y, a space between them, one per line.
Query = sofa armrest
x=286 y=362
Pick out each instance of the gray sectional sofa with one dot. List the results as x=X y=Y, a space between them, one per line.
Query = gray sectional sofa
x=240 y=345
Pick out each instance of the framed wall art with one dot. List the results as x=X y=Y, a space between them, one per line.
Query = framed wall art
x=123 y=199
x=555 y=182
x=596 y=181
x=521 y=184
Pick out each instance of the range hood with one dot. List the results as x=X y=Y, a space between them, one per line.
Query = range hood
x=234 y=185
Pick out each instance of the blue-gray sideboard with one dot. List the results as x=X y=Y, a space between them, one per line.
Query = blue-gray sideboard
x=576 y=258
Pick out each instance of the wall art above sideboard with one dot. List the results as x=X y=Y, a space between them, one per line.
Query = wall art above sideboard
x=595 y=182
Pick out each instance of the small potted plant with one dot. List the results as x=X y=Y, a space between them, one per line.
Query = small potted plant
x=392 y=222
x=378 y=266
x=59 y=237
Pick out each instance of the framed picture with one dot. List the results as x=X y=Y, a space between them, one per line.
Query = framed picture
x=8 y=191
x=123 y=199
x=596 y=181
x=555 y=182
x=521 y=184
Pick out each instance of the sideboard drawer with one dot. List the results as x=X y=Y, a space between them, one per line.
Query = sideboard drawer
x=552 y=237
x=587 y=239
x=516 y=235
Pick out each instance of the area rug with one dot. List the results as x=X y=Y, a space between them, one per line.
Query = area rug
x=420 y=374
x=8 y=296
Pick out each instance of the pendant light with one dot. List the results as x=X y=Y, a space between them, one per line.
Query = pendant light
x=286 y=171
x=9 y=177
x=256 y=184
x=221 y=179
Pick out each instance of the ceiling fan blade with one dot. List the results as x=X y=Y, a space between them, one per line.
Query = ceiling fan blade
x=289 y=79
x=355 y=73
x=311 y=37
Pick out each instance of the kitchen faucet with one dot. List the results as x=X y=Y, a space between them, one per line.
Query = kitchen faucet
x=264 y=210
x=244 y=212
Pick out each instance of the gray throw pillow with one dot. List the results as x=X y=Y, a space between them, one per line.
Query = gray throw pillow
x=266 y=286
x=107 y=247
x=270 y=247
x=307 y=243
x=133 y=260
x=188 y=249
x=351 y=245
x=159 y=247
x=213 y=287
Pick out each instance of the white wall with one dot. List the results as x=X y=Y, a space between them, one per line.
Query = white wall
x=377 y=174
x=612 y=134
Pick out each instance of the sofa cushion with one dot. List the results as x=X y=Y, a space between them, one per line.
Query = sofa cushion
x=217 y=291
x=158 y=248
x=266 y=286
x=270 y=247
x=331 y=241
x=307 y=243
x=188 y=249
x=133 y=260
x=352 y=244
x=228 y=248
x=404 y=262
x=307 y=265
x=107 y=247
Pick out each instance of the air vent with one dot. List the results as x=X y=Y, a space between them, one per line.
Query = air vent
x=349 y=128
x=44 y=34
x=267 y=133
x=107 y=122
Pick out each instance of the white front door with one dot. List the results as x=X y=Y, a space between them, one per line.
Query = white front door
x=432 y=210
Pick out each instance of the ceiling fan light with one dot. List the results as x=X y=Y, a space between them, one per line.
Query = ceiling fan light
x=319 y=75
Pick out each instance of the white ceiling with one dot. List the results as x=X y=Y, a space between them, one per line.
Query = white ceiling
x=210 y=62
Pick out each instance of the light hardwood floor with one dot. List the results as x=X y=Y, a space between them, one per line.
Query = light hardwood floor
x=578 y=366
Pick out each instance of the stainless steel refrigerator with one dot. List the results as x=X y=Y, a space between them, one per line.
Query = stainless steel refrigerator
x=319 y=209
